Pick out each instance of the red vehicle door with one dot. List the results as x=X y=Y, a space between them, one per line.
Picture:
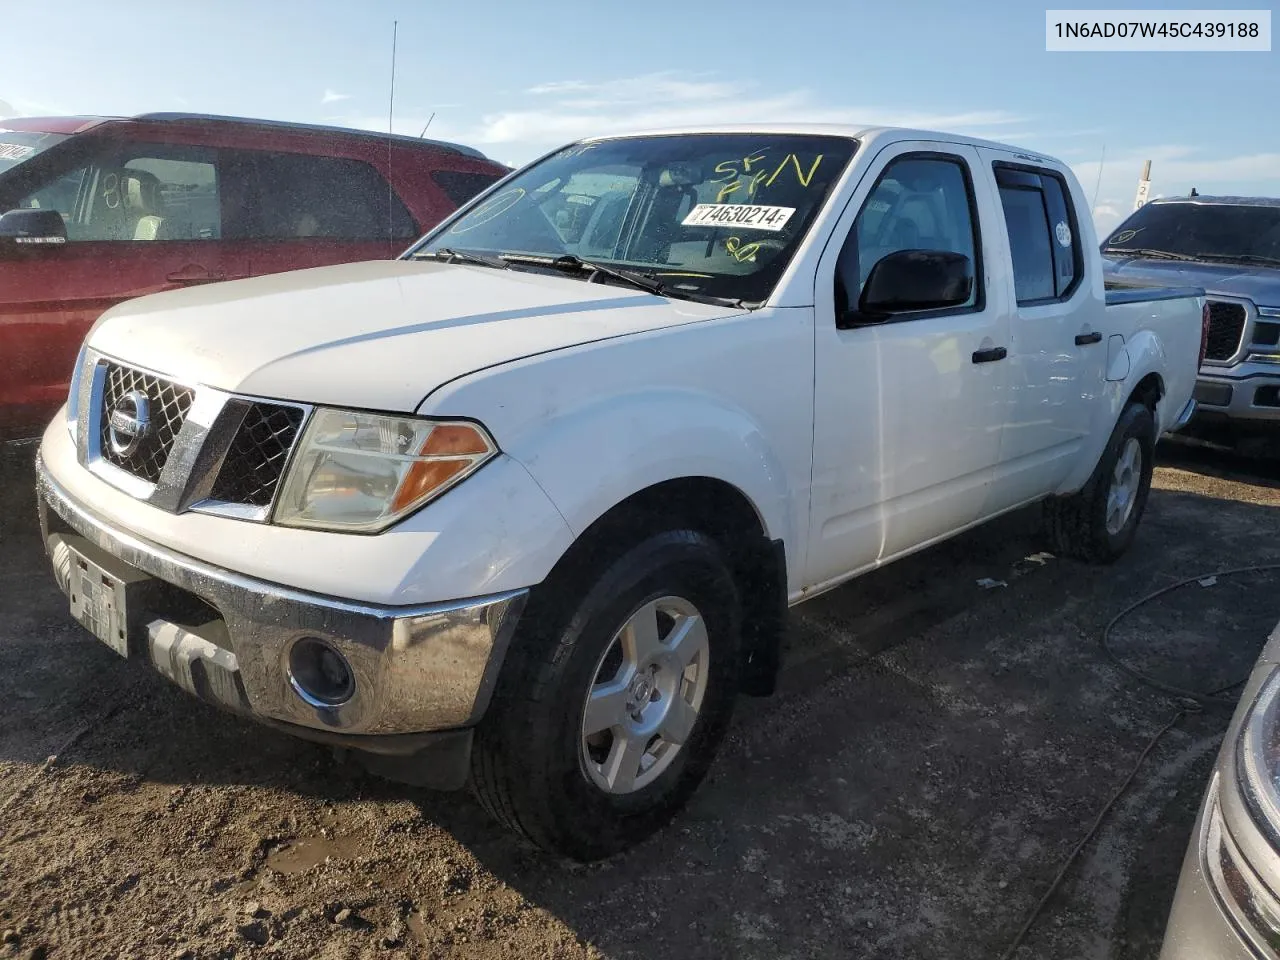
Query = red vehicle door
x=141 y=218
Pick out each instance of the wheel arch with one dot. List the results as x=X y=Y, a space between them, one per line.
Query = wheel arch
x=727 y=515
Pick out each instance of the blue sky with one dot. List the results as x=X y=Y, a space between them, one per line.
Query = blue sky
x=516 y=78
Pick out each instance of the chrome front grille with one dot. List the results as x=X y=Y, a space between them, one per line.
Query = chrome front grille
x=182 y=448
x=158 y=408
x=1226 y=329
x=255 y=463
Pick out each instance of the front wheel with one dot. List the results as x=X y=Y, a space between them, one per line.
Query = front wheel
x=1098 y=523
x=615 y=695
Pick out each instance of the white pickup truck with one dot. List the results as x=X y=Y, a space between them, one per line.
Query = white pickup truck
x=526 y=507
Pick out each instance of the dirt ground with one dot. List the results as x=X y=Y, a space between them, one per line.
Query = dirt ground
x=935 y=751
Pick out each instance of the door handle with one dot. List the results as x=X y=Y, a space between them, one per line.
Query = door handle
x=990 y=354
x=1084 y=339
x=194 y=274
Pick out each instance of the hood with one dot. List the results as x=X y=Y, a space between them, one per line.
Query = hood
x=379 y=335
x=1259 y=284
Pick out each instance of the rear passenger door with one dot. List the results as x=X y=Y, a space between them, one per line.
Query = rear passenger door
x=1057 y=349
x=290 y=211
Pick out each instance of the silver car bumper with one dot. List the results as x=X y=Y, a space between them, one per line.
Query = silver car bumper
x=226 y=638
x=1251 y=392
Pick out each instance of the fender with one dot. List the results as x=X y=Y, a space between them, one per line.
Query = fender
x=730 y=399
x=1143 y=353
x=630 y=442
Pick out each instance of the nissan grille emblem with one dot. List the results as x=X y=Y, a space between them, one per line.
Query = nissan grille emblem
x=129 y=423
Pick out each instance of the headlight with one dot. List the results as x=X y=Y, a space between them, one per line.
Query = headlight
x=362 y=472
x=1258 y=755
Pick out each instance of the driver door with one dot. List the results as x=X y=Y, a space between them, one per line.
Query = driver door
x=908 y=412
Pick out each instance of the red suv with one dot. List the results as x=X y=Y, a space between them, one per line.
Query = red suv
x=99 y=210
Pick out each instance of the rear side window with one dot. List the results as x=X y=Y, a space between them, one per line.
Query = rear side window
x=1043 y=239
x=461 y=187
x=279 y=196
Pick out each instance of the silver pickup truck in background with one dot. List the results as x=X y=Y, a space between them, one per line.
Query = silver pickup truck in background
x=1230 y=246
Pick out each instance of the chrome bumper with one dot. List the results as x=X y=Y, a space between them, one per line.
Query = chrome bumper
x=416 y=669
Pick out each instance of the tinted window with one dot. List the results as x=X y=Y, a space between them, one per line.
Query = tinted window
x=461 y=187
x=136 y=191
x=1201 y=229
x=277 y=196
x=1028 y=224
x=1043 y=243
x=919 y=203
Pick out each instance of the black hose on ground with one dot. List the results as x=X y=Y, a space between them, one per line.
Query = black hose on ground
x=1191 y=701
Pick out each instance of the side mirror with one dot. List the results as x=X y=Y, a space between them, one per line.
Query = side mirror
x=909 y=280
x=26 y=227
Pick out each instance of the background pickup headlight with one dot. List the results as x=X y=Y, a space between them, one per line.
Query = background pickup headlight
x=1258 y=756
x=362 y=472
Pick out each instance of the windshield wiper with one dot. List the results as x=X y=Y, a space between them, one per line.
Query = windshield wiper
x=593 y=268
x=1148 y=253
x=449 y=255
x=644 y=281
x=1239 y=258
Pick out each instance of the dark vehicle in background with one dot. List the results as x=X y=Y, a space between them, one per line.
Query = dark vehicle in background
x=1230 y=246
x=94 y=211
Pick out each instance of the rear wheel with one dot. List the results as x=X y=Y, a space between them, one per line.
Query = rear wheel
x=1098 y=523
x=615 y=695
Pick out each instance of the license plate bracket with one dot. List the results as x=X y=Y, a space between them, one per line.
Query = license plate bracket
x=98 y=602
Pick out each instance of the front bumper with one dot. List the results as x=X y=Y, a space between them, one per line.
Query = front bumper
x=226 y=638
x=1250 y=394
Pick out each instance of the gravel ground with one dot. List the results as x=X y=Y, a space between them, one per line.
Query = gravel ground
x=935 y=751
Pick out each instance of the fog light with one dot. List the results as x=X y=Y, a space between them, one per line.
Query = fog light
x=319 y=674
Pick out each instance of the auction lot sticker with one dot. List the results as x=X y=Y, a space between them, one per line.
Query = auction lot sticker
x=750 y=215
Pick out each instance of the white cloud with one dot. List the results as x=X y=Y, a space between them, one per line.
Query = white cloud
x=332 y=97
x=548 y=114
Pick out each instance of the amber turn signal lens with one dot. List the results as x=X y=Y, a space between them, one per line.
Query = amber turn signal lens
x=454 y=440
x=425 y=476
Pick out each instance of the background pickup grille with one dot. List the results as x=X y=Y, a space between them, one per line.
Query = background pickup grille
x=1226 y=328
x=253 y=466
x=168 y=405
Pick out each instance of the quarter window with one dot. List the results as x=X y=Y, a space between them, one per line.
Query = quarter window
x=920 y=202
x=460 y=187
x=1043 y=240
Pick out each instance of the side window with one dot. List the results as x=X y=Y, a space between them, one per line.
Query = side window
x=1043 y=242
x=920 y=202
x=279 y=196
x=136 y=192
x=460 y=187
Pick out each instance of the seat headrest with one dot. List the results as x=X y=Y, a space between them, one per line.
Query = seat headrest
x=142 y=192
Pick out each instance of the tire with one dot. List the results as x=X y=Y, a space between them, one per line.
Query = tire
x=534 y=769
x=1085 y=525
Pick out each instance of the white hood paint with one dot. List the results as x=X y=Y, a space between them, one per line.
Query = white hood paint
x=379 y=335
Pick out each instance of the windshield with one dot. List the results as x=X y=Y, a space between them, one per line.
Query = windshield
x=704 y=214
x=18 y=146
x=1208 y=230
